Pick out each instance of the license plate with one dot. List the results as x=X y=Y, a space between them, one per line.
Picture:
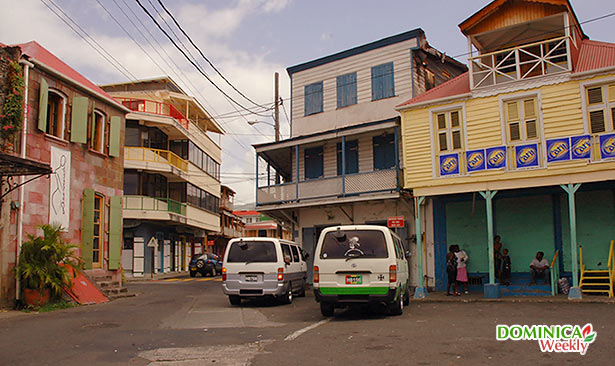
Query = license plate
x=193 y=268
x=251 y=278
x=354 y=279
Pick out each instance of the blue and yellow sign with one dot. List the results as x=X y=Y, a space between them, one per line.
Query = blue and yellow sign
x=580 y=147
x=558 y=150
x=496 y=157
x=607 y=146
x=526 y=156
x=475 y=160
x=449 y=164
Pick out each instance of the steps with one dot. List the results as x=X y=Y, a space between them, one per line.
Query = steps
x=596 y=282
x=112 y=289
x=520 y=286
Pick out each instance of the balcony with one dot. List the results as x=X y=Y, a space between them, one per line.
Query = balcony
x=532 y=60
x=154 y=159
x=134 y=204
x=153 y=107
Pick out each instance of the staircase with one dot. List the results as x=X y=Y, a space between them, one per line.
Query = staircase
x=112 y=289
x=520 y=286
x=598 y=282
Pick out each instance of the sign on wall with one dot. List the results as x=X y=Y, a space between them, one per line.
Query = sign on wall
x=526 y=156
x=395 y=221
x=558 y=150
x=580 y=147
x=607 y=146
x=449 y=164
x=59 y=191
x=475 y=160
x=496 y=157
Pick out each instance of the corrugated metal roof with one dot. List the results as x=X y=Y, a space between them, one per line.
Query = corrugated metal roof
x=595 y=55
x=39 y=53
x=456 y=86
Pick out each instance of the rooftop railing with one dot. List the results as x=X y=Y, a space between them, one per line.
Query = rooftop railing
x=159 y=108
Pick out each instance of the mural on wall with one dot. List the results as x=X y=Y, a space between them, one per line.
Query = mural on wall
x=59 y=192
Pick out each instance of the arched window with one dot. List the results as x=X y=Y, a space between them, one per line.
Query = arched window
x=97 y=142
x=56 y=113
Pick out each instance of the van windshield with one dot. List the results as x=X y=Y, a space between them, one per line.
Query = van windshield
x=354 y=244
x=252 y=251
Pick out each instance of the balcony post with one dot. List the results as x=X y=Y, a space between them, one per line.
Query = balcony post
x=297 y=172
x=575 y=291
x=491 y=290
x=343 y=165
x=257 y=178
x=268 y=175
x=517 y=64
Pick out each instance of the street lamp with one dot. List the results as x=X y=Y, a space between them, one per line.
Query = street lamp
x=275 y=126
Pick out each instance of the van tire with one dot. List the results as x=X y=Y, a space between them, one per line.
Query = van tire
x=327 y=309
x=302 y=290
x=287 y=298
x=397 y=306
x=234 y=300
x=407 y=296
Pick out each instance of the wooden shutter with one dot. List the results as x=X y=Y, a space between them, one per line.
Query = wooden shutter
x=513 y=111
x=441 y=121
x=79 y=120
x=596 y=119
x=115 y=232
x=594 y=95
x=612 y=93
x=87 y=227
x=42 y=105
x=114 y=136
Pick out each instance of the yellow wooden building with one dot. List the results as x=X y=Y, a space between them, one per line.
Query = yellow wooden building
x=514 y=145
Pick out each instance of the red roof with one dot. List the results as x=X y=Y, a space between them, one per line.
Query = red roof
x=263 y=225
x=39 y=53
x=593 y=55
x=246 y=213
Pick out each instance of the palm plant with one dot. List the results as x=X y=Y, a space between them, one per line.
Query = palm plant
x=43 y=261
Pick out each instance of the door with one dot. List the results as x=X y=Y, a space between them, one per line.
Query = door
x=98 y=241
x=183 y=255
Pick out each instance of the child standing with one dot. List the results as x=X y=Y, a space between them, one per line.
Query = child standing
x=462 y=271
x=451 y=270
x=506 y=273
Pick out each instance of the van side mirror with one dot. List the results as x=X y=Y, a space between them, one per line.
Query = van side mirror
x=408 y=254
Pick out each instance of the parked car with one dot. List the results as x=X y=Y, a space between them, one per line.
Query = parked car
x=256 y=267
x=205 y=264
x=360 y=264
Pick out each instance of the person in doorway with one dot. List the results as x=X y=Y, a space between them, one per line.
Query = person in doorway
x=506 y=266
x=539 y=268
x=451 y=271
x=497 y=257
x=462 y=271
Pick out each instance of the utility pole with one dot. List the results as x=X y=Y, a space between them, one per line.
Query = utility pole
x=276 y=113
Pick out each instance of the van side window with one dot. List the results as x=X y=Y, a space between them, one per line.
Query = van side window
x=286 y=252
x=397 y=248
x=295 y=253
x=304 y=255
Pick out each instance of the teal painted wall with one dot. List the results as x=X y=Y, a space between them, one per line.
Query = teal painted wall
x=595 y=227
x=526 y=227
x=469 y=230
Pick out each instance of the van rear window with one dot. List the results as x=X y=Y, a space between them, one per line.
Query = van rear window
x=354 y=244
x=252 y=252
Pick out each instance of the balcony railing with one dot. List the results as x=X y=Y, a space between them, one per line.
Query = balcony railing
x=535 y=59
x=147 y=154
x=159 y=108
x=337 y=186
x=144 y=203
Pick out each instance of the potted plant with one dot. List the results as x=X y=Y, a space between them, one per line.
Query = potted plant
x=42 y=265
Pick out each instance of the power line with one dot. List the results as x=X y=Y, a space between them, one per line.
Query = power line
x=206 y=59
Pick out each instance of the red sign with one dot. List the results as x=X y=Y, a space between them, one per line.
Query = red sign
x=211 y=243
x=396 y=221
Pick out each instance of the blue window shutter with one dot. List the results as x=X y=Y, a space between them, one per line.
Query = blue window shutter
x=352 y=157
x=314 y=165
x=383 y=85
x=384 y=151
x=313 y=98
x=346 y=90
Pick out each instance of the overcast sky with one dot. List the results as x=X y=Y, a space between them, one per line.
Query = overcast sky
x=247 y=40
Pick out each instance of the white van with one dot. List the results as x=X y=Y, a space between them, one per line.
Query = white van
x=360 y=264
x=256 y=267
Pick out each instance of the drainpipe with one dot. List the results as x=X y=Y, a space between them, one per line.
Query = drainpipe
x=24 y=134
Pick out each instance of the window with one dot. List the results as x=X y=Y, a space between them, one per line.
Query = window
x=313 y=98
x=314 y=167
x=384 y=151
x=202 y=160
x=601 y=108
x=352 y=157
x=131 y=183
x=56 y=110
x=200 y=198
x=521 y=120
x=295 y=253
x=252 y=251
x=97 y=142
x=449 y=133
x=154 y=185
x=97 y=243
x=286 y=253
x=383 y=81
x=133 y=135
x=346 y=90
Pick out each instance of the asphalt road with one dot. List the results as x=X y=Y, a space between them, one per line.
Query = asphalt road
x=190 y=322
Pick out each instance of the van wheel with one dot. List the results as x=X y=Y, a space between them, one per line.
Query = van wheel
x=302 y=290
x=234 y=300
x=407 y=297
x=397 y=306
x=327 y=309
x=287 y=298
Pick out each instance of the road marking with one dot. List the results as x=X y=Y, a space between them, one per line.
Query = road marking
x=187 y=279
x=205 y=279
x=171 y=279
x=296 y=334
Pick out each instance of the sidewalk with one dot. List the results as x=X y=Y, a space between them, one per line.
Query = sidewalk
x=155 y=277
x=479 y=297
